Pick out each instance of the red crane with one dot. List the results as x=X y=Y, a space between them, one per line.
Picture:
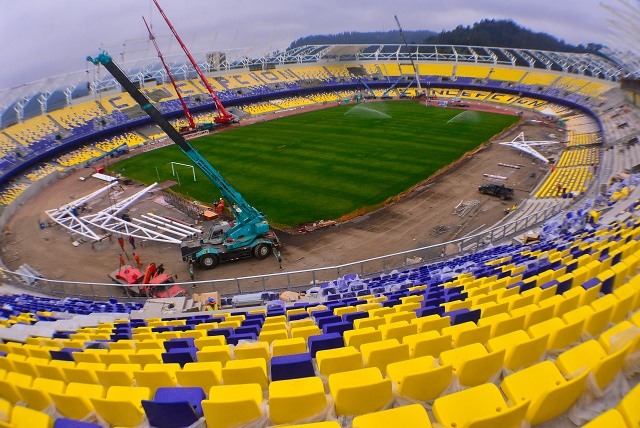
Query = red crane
x=192 y=124
x=224 y=116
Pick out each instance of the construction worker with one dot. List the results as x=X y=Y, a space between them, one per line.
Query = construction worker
x=192 y=274
x=121 y=242
x=121 y=260
x=132 y=241
x=136 y=257
x=160 y=269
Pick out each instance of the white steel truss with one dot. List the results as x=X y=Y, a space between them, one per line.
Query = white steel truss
x=151 y=227
x=67 y=215
x=525 y=146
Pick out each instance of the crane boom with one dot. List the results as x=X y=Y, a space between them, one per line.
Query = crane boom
x=152 y=37
x=225 y=116
x=250 y=233
x=413 y=64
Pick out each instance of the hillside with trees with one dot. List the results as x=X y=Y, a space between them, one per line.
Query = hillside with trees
x=365 y=38
x=488 y=32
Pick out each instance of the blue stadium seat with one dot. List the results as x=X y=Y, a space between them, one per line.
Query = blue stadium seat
x=292 y=367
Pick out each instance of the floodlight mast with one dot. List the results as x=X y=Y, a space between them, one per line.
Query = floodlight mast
x=413 y=64
x=152 y=37
x=224 y=115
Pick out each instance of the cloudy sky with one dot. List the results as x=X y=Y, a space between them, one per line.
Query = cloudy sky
x=44 y=38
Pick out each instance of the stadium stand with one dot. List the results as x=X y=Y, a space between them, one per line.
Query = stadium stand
x=513 y=334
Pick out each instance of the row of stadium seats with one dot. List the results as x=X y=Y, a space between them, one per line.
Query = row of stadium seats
x=586 y=156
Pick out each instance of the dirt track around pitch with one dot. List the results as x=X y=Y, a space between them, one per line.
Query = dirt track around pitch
x=422 y=217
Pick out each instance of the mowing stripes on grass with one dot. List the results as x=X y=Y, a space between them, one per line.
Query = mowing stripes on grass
x=327 y=163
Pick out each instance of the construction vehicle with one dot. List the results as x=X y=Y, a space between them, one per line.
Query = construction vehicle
x=224 y=117
x=141 y=285
x=499 y=190
x=248 y=235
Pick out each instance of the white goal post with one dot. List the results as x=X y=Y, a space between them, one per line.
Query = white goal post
x=173 y=169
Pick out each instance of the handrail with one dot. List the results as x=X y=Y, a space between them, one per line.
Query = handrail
x=298 y=279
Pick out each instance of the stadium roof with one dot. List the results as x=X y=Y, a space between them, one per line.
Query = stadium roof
x=607 y=65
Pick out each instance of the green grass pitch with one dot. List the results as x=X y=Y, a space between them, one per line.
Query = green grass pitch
x=328 y=163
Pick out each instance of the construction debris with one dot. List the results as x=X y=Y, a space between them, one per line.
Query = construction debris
x=463 y=208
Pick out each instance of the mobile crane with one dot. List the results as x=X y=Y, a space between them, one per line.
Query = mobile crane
x=249 y=234
x=224 y=117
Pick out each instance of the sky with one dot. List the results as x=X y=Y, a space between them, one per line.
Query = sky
x=47 y=38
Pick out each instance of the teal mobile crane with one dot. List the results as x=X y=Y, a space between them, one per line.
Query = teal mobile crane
x=249 y=234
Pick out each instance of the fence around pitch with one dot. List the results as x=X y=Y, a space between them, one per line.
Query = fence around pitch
x=298 y=280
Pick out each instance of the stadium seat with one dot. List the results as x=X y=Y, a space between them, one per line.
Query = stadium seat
x=37 y=395
x=520 y=350
x=117 y=375
x=413 y=415
x=590 y=356
x=75 y=402
x=253 y=370
x=420 y=378
x=357 y=392
x=427 y=343
x=232 y=405
x=296 y=399
x=545 y=388
x=472 y=364
x=480 y=406
x=338 y=360
x=200 y=374
x=292 y=366
x=610 y=418
x=628 y=407
x=174 y=407
x=123 y=405
x=381 y=353
x=155 y=376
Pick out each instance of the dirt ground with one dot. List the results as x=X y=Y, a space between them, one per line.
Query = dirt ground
x=421 y=218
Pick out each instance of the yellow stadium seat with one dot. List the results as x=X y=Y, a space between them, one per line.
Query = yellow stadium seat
x=397 y=330
x=54 y=370
x=232 y=405
x=608 y=419
x=413 y=415
x=628 y=407
x=479 y=407
x=544 y=386
x=357 y=337
x=117 y=374
x=122 y=405
x=420 y=378
x=427 y=343
x=380 y=354
x=520 y=350
x=83 y=372
x=245 y=350
x=502 y=323
x=618 y=337
x=590 y=356
x=270 y=336
x=472 y=364
x=157 y=375
x=296 y=399
x=431 y=322
x=220 y=353
x=89 y=355
x=24 y=417
x=75 y=402
x=595 y=321
x=467 y=333
x=253 y=370
x=147 y=356
x=361 y=391
x=202 y=374
x=560 y=335
x=210 y=341
x=37 y=395
x=338 y=360
x=533 y=314
x=297 y=345
x=9 y=386
x=373 y=322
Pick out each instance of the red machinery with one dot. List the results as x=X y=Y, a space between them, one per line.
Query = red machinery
x=192 y=124
x=224 y=117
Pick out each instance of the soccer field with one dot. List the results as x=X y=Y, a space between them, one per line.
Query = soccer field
x=327 y=163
